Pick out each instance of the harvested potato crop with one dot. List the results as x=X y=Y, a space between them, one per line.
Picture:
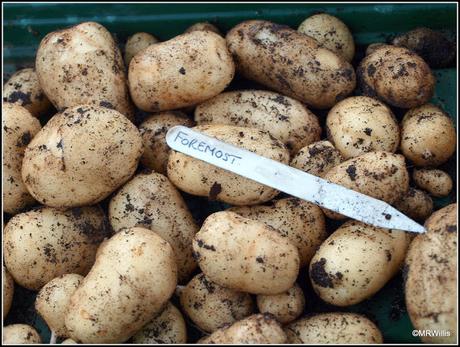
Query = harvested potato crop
x=19 y=334
x=8 y=291
x=290 y=63
x=137 y=43
x=203 y=26
x=416 y=204
x=436 y=182
x=81 y=156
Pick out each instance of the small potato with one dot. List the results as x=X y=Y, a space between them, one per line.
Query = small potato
x=334 y=328
x=134 y=276
x=181 y=72
x=83 y=65
x=374 y=46
x=200 y=178
x=290 y=63
x=360 y=124
x=211 y=306
x=203 y=26
x=285 y=307
x=331 y=33
x=152 y=202
x=416 y=204
x=81 y=156
x=428 y=136
x=286 y=119
x=301 y=222
x=69 y=342
x=18 y=129
x=245 y=255
x=137 y=43
x=52 y=301
x=431 y=277
x=436 y=182
x=356 y=261
x=153 y=131
x=23 y=89
x=20 y=334
x=8 y=291
x=45 y=243
x=396 y=76
x=166 y=328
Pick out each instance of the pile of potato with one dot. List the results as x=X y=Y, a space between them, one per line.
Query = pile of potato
x=99 y=228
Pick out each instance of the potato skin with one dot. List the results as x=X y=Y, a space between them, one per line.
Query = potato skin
x=181 y=72
x=334 y=328
x=18 y=128
x=436 y=182
x=23 y=88
x=431 y=276
x=360 y=124
x=152 y=202
x=211 y=306
x=45 y=243
x=69 y=342
x=396 y=76
x=81 y=156
x=416 y=204
x=8 y=291
x=245 y=255
x=356 y=261
x=20 y=334
x=136 y=43
x=286 y=119
x=199 y=178
x=203 y=26
x=83 y=65
x=374 y=46
x=290 y=63
x=134 y=275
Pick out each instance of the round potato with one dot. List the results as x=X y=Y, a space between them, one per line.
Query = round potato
x=137 y=43
x=20 y=334
x=360 y=124
x=245 y=255
x=211 y=306
x=203 y=26
x=427 y=136
x=45 y=243
x=181 y=72
x=8 y=291
x=134 y=276
x=18 y=128
x=81 y=156
x=290 y=63
x=416 y=204
x=334 y=328
x=436 y=182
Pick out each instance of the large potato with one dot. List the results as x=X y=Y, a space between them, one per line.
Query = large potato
x=83 y=65
x=134 y=276
x=20 y=334
x=45 y=243
x=200 y=178
x=436 y=182
x=81 y=156
x=245 y=255
x=18 y=129
x=356 y=261
x=290 y=63
x=152 y=202
x=286 y=119
x=137 y=43
x=8 y=291
x=181 y=72
x=431 y=277
x=416 y=204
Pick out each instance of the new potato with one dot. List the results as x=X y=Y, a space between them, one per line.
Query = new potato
x=416 y=204
x=136 y=43
x=19 y=334
x=203 y=26
x=436 y=182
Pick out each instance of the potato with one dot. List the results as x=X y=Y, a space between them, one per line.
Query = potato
x=301 y=222
x=211 y=306
x=137 y=43
x=168 y=327
x=45 y=243
x=134 y=275
x=286 y=119
x=374 y=46
x=290 y=63
x=200 y=178
x=317 y=158
x=436 y=182
x=81 y=156
x=52 y=301
x=285 y=307
x=331 y=33
x=8 y=291
x=334 y=328
x=181 y=72
x=152 y=202
x=69 y=342
x=18 y=128
x=356 y=261
x=24 y=90
x=256 y=329
x=416 y=204
x=153 y=131
x=396 y=76
x=431 y=277
x=83 y=65
x=427 y=136
x=360 y=124
x=18 y=334
x=245 y=255
x=203 y=26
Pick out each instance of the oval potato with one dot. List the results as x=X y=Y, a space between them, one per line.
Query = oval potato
x=136 y=43
x=416 y=204
x=436 y=182
x=19 y=334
